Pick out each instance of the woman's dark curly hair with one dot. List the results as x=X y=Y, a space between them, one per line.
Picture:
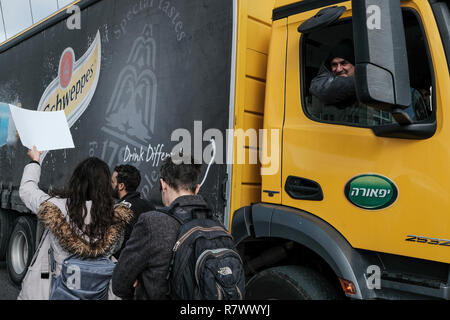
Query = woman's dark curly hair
x=91 y=180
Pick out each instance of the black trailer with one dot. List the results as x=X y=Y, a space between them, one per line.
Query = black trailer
x=133 y=73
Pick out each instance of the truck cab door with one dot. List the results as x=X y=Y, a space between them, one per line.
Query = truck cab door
x=376 y=190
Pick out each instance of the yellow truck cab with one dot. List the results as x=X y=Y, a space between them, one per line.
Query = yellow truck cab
x=325 y=197
x=360 y=199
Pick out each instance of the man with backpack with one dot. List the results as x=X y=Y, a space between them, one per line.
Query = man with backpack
x=180 y=251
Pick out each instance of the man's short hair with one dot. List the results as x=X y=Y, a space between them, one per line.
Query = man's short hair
x=129 y=176
x=181 y=172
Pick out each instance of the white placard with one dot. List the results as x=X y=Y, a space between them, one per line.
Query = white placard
x=45 y=130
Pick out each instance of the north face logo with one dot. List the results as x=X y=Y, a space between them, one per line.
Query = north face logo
x=225 y=271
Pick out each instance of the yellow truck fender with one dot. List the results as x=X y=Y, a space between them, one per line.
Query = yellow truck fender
x=275 y=221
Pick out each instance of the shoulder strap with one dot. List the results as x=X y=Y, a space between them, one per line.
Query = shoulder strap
x=44 y=264
x=51 y=260
x=172 y=212
x=169 y=212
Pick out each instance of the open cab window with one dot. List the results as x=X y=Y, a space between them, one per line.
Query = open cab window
x=328 y=84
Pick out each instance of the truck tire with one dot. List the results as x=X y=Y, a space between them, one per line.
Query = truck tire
x=6 y=223
x=21 y=248
x=290 y=283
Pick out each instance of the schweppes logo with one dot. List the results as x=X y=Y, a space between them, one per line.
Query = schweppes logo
x=75 y=85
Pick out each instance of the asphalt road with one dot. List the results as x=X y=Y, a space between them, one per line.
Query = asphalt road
x=7 y=290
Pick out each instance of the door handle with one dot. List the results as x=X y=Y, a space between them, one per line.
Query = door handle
x=303 y=189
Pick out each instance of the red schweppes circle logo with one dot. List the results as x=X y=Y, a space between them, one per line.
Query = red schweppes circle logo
x=75 y=84
x=66 y=67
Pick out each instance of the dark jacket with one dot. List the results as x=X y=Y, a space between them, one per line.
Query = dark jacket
x=148 y=252
x=138 y=206
x=333 y=90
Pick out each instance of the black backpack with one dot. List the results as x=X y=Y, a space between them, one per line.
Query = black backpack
x=205 y=264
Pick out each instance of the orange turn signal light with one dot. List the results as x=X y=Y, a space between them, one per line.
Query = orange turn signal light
x=347 y=286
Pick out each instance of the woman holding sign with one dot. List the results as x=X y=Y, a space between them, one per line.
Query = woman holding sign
x=83 y=230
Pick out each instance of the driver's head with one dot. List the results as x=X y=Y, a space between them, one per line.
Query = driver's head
x=341 y=59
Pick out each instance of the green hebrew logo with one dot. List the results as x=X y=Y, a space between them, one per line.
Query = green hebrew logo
x=371 y=191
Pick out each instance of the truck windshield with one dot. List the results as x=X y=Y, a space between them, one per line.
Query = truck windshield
x=328 y=69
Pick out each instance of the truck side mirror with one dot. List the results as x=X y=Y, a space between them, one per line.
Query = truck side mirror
x=381 y=62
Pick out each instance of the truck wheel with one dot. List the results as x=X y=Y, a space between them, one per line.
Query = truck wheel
x=290 y=283
x=21 y=248
x=6 y=220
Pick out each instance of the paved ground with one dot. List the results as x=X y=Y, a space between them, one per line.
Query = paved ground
x=7 y=290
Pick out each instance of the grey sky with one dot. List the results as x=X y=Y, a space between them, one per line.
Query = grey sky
x=41 y=9
x=2 y=29
x=17 y=15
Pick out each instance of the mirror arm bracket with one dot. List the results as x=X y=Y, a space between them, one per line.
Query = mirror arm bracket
x=401 y=117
